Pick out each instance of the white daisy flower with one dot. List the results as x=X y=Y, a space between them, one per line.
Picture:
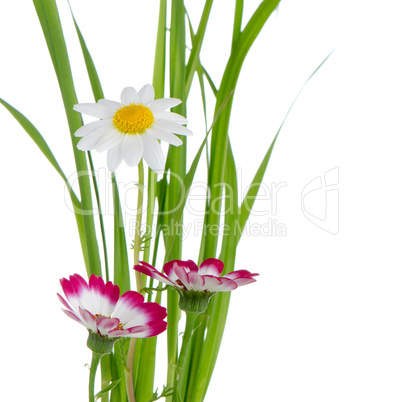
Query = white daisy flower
x=130 y=130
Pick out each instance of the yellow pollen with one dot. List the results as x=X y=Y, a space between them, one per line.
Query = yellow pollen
x=133 y=119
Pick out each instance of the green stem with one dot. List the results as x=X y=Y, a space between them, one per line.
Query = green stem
x=179 y=387
x=102 y=226
x=137 y=247
x=137 y=235
x=94 y=365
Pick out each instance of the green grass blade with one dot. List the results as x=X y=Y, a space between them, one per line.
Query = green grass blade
x=121 y=267
x=206 y=351
x=50 y=21
x=219 y=139
x=176 y=163
x=160 y=52
x=89 y=63
x=37 y=137
x=237 y=21
x=249 y=198
x=145 y=356
x=194 y=58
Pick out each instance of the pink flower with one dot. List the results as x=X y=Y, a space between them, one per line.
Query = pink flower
x=99 y=307
x=185 y=275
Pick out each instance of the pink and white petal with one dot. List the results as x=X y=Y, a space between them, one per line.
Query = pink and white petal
x=244 y=281
x=164 y=136
x=172 y=127
x=162 y=104
x=125 y=306
x=170 y=116
x=211 y=266
x=97 y=287
x=241 y=277
x=88 y=128
x=153 y=153
x=64 y=303
x=74 y=316
x=88 y=319
x=146 y=94
x=241 y=273
x=129 y=95
x=214 y=284
x=149 y=270
x=95 y=110
x=152 y=329
x=112 y=294
x=114 y=157
x=197 y=282
x=182 y=274
x=132 y=148
x=109 y=140
x=129 y=332
x=170 y=268
x=145 y=313
x=111 y=105
x=74 y=289
x=106 y=324
x=191 y=266
x=82 y=292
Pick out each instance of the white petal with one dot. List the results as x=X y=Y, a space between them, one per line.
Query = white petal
x=132 y=148
x=129 y=95
x=170 y=116
x=84 y=130
x=94 y=110
x=146 y=94
x=109 y=140
x=114 y=157
x=164 y=136
x=172 y=127
x=153 y=153
x=163 y=104
x=89 y=141
x=112 y=105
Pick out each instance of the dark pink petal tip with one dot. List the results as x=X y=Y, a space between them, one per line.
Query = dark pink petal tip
x=211 y=266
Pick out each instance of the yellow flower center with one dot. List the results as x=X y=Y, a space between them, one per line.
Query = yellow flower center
x=133 y=119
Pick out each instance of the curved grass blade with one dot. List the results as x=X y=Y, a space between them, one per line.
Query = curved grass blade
x=245 y=210
x=50 y=21
x=219 y=138
x=37 y=137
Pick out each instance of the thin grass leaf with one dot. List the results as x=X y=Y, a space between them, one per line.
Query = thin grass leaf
x=249 y=198
x=194 y=58
x=121 y=267
x=188 y=180
x=220 y=303
x=37 y=137
x=105 y=391
x=145 y=357
x=176 y=163
x=50 y=21
x=206 y=350
x=89 y=63
x=219 y=138
x=237 y=21
x=120 y=262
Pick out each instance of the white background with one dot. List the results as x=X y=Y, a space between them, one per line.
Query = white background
x=323 y=322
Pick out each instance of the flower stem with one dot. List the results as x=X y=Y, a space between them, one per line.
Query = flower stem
x=94 y=365
x=137 y=247
x=180 y=380
x=137 y=236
